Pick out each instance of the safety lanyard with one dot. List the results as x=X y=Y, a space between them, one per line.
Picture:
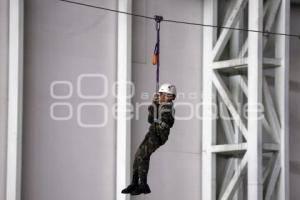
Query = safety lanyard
x=155 y=58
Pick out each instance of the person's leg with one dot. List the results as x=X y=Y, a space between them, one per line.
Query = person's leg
x=150 y=147
x=143 y=163
x=136 y=163
x=143 y=169
x=138 y=158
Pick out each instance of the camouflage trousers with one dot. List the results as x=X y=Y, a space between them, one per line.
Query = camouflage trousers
x=141 y=162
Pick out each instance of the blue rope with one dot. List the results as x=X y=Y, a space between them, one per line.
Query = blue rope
x=158 y=19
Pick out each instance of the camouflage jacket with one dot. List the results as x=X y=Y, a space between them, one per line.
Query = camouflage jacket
x=165 y=120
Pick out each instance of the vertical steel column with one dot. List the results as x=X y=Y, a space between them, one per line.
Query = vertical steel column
x=15 y=96
x=123 y=101
x=209 y=99
x=255 y=50
x=282 y=96
x=237 y=93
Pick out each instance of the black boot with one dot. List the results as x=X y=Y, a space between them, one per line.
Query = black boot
x=143 y=188
x=133 y=186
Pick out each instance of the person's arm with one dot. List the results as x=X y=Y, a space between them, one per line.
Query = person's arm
x=151 y=108
x=151 y=114
x=167 y=118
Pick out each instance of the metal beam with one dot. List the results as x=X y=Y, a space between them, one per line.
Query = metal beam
x=268 y=168
x=226 y=33
x=270 y=111
x=226 y=96
x=274 y=5
x=123 y=77
x=241 y=147
x=269 y=130
x=239 y=63
x=233 y=184
x=226 y=122
x=209 y=99
x=15 y=97
x=228 y=175
x=255 y=182
x=272 y=14
x=282 y=96
x=229 y=148
x=271 y=147
x=273 y=178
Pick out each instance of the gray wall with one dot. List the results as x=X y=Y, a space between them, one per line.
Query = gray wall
x=62 y=160
x=295 y=106
x=3 y=91
x=175 y=167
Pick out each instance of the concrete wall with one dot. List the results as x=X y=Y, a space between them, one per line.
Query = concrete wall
x=61 y=159
x=3 y=91
x=175 y=169
x=294 y=106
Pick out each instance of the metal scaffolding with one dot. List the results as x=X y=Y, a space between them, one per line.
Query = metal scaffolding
x=245 y=97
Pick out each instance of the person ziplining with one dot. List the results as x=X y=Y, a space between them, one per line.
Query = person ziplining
x=161 y=119
x=157 y=136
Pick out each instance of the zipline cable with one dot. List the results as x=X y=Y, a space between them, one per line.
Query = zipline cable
x=107 y=9
x=181 y=22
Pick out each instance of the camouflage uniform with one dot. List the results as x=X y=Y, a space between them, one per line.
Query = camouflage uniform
x=157 y=136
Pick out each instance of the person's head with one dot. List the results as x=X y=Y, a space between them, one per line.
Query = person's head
x=167 y=93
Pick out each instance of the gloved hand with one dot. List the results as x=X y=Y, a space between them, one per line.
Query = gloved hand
x=155 y=99
x=161 y=124
x=157 y=121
